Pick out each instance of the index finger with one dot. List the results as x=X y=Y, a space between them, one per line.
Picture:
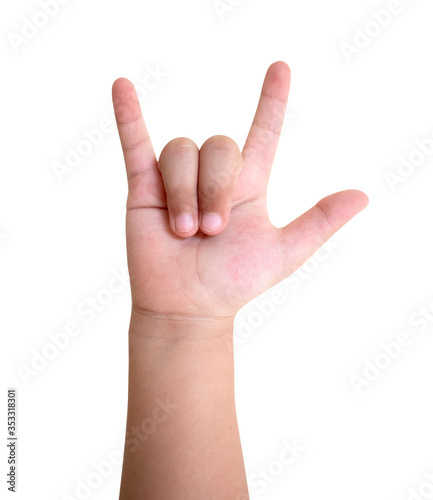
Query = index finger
x=261 y=144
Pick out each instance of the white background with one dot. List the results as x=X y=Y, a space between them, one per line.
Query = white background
x=61 y=238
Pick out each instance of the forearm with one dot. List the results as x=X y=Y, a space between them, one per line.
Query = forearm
x=182 y=435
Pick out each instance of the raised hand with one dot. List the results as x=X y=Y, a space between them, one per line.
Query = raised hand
x=200 y=243
x=200 y=246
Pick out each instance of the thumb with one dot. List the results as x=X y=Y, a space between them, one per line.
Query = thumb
x=306 y=234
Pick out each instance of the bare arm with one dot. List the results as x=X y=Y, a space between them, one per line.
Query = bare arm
x=200 y=246
x=183 y=438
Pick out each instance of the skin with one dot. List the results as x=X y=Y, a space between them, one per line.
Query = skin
x=188 y=284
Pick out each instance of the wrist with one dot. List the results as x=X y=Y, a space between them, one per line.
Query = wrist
x=177 y=327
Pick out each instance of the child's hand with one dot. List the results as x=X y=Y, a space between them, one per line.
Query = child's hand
x=204 y=274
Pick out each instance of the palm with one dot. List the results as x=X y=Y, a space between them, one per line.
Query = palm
x=202 y=275
x=214 y=276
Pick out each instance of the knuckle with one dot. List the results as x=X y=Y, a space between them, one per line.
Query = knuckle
x=221 y=182
x=180 y=144
x=180 y=194
x=210 y=190
x=221 y=143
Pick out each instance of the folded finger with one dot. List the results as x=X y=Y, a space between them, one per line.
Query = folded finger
x=220 y=166
x=178 y=164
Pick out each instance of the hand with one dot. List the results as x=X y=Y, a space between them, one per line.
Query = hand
x=204 y=273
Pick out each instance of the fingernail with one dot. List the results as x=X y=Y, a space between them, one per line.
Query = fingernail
x=211 y=222
x=184 y=223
